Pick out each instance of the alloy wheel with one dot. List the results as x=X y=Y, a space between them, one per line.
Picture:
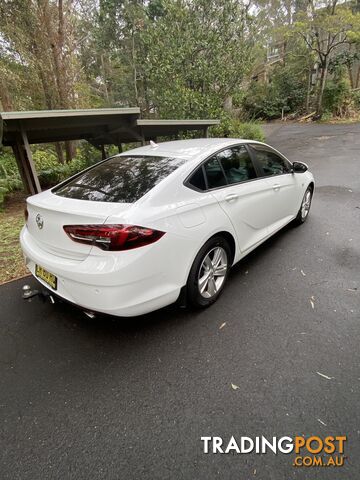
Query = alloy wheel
x=212 y=272
x=305 y=206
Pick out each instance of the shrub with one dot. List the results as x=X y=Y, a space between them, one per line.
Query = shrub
x=235 y=129
x=262 y=102
x=286 y=93
x=355 y=96
x=50 y=171
x=9 y=174
x=336 y=96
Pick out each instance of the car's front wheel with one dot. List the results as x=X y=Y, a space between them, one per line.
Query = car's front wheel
x=209 y=272
x=305 y=206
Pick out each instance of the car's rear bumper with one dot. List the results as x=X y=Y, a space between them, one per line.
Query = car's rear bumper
x=122 y=284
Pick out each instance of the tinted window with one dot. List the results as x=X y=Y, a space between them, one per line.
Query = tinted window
x=237 y=164
x=214 y=173
x=271 y=163
x=197 y=179
x=122 y=179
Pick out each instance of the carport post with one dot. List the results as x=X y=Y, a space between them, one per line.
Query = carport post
x=206 y=132
x=25 y=163
x=103 y=152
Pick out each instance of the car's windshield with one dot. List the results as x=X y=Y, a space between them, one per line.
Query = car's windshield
x=124 y=179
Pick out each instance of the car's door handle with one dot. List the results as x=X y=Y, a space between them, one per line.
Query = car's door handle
x=231 y=197
x=276 y=187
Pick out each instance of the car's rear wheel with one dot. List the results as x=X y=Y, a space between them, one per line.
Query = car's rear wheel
x=305 y=206
x=209 y=272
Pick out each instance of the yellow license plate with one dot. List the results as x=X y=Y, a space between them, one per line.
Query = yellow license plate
x=46 y=276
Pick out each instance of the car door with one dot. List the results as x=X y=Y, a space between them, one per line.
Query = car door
x=233 y=180
x=277 y=171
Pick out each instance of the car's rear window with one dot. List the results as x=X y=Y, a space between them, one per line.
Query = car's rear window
x=122 y=179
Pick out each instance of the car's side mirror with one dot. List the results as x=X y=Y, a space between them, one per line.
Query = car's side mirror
x=299 y=167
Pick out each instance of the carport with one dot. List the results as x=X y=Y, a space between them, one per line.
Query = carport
x=107 y=126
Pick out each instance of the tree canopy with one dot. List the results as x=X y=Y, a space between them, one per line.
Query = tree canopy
x=176 y=58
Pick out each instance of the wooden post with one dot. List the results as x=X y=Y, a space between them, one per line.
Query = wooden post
x=26 y=164
x=103 y=152
x=143 y=140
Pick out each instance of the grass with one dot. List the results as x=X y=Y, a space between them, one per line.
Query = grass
x=11 y=221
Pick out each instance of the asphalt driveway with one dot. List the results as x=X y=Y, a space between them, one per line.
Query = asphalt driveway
x=130 y=399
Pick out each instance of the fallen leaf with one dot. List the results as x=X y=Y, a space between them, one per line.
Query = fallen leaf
x=312 y=303
x=254 y=471
x=222 y=325
x=324 y=376
x=234 y=387
x=351 y=289
x=322 y=423
x=350 y=190
x=303 y=273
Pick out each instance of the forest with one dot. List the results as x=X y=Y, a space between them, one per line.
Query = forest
x=242 y=61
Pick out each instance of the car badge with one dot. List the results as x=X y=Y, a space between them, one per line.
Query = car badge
x=39 y=221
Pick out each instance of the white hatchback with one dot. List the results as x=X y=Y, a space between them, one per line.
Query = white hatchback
x=137 y=231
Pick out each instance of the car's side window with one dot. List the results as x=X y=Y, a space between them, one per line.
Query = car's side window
x=197 y=179
x=214 y=173
x=270 y=162
x=237 y=164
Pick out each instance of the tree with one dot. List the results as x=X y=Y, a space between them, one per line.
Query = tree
x=197 y=56
x=326 y=31
x=41 y=47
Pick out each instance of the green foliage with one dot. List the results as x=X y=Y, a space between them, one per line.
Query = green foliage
x=326 y=33
x=355 y=96
x=235 y=129
x=192 y=62
x=336 y=95
x=286 y=93
x=9 y=175
x=262 y=101
x=49 y=170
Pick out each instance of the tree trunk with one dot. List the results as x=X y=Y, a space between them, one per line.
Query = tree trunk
x=351 y=78
x=133 y=57
x=5 y=99
x=308 y=90
x=357 y=78
x=59 y=152
x=69 y=150
x=105 y=80
x=324 y=70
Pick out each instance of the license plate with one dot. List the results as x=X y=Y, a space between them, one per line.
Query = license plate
x=46 y=276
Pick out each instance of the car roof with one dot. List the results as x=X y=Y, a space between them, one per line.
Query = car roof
x=187 y=149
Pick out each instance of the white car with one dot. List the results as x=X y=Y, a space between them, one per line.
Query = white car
x=139 y=230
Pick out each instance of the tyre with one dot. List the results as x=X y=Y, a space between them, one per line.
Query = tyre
x=209 y=273
x=303 y=213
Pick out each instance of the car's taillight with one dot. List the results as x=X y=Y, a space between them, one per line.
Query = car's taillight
x=113 y=237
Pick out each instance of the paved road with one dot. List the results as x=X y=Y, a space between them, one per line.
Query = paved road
x=113 y=399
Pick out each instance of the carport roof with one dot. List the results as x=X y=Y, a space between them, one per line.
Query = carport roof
x=101 y=126
x=98 y=126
